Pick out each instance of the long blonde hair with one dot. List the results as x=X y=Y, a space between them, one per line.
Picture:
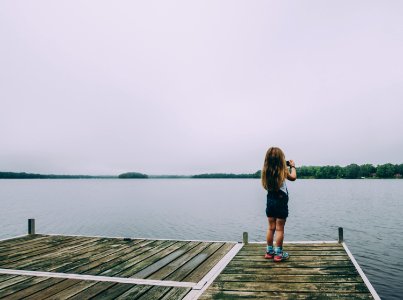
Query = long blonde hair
x=274 y=170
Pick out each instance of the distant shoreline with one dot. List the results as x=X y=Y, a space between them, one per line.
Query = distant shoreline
x=352 y=171
x=23 y=175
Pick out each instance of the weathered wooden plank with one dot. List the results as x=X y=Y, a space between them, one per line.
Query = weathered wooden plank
x=21 y=243
x=262 y=251
x=31 y=260
x=167 y=270
x=180 y=273
x=93 y=290
x=260 y=258
x=291 y=264
x=70 y=290
x=73 y=291
x=20 y=240
x=261 y=248
x=84 y=262
x=113 y=292
x=50 y=289
x=134 y=293
x=166 y=261
x=308 y=244
x=88 y=261
x=340 y=278
x=14 y=239
x=133 y=266
x=175 y=264
x=79 y=258
x=35 y=254
x=194 y=263
x=291 y=287
x=41 y=242
x=36 y=288
x=176 y=294
x=155 y=292
x=121 y=263
x=91 y=259
x=40 y=247
x=235 y=295
x=13 y=280
x=27 y=287
x=198 y=273
x=88 y=258
x=292 y=271
x=4 y=277
x=41 y=262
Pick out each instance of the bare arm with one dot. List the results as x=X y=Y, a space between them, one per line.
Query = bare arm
x=292 y=175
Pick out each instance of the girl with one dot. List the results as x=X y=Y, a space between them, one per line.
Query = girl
x=274 y=174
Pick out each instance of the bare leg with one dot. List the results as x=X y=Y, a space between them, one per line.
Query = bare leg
x=280 y=223
x=270 y=231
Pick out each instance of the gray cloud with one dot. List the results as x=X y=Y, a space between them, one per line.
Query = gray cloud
x=186 y=87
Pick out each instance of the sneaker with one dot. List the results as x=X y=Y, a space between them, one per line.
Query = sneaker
x=281 y=256
x=269 y=252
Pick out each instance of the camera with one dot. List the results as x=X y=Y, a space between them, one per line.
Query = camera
x=287 y=163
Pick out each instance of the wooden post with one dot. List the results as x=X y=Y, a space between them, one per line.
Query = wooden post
x=341 y=235
x=31 y=226
x=245 y=238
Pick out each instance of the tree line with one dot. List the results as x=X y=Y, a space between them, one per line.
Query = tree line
x=227 y=175
x=352 y=171
x=23 y=175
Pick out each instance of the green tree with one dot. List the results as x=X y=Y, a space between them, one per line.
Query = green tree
x=258 y=174
x=399 y=169
x=385 y=171
x=306 y=172
x=352 y=171
x=327 y=172
x=340 y=172
x=367 y=170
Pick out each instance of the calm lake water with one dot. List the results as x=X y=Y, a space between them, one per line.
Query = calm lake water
x=371 y=212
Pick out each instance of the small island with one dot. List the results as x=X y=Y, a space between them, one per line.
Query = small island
x=131 y=175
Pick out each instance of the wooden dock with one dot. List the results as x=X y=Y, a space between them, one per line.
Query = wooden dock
x=314 y=271
x=40 y=266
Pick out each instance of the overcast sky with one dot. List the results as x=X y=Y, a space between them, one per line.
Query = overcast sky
x=185 y=87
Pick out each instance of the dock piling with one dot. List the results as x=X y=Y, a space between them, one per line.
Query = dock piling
x=341 y=235
x=31 y=226
x=245 y=238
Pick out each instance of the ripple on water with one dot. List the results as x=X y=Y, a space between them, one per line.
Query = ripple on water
x=369 y=211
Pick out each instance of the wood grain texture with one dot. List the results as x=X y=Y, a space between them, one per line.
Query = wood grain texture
x=235 y=295
x=313 y=271
x=144 y=259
